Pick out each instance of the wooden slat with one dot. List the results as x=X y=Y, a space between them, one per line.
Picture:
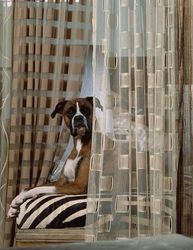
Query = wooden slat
x=36 y=237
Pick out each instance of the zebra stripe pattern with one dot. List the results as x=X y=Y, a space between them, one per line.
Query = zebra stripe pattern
x=53 y=211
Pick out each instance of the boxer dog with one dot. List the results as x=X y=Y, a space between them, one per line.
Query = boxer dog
x=77 y=115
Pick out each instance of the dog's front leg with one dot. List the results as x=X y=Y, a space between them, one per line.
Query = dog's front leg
x=26 y=194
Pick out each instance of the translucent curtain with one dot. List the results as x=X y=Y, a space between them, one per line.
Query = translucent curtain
x=6 y=12
x=50 y=44
x=132 y=184
x=185 y=127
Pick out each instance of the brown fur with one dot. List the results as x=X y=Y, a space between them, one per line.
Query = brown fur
x=81 y=181
x=79 y=185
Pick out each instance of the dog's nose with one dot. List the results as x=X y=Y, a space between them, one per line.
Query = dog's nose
x=78 y=119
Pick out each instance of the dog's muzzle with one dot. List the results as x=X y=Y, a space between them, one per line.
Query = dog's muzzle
x=79 y=125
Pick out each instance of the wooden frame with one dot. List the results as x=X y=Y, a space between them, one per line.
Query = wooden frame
x=37 y=237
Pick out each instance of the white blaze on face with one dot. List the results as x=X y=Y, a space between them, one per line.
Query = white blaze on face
x=79 y=113
x=78 y=109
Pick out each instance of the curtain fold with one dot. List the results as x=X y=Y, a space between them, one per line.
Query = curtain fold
x=132 y=183
x=185 y=128
x=50 y=44
x=6 y=13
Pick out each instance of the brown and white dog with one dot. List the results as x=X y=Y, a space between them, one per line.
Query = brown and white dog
x=77 y=115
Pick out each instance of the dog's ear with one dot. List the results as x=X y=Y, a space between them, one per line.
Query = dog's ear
x=59 y=108
x=90 y=99
x=97 y=102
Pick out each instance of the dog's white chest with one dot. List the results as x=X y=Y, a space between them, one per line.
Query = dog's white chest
x=71 y=164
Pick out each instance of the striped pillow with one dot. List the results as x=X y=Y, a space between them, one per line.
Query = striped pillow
x=53 y=211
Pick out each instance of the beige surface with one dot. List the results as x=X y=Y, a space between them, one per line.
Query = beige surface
x=37 y=237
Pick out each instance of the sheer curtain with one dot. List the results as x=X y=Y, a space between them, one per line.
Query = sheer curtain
x=185 y=128
x=5 y=85
x=132 y=184
x=50 y=40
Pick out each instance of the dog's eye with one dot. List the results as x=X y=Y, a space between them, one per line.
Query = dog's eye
x=71 y=112
x=85 y=111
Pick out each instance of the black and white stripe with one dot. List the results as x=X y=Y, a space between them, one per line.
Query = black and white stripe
x=53 y=211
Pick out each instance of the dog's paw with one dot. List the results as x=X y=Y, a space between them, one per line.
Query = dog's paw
x=15 y=205
x=13 y=212
x=18 y=199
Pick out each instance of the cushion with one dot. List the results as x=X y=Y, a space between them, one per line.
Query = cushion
x=53 y=211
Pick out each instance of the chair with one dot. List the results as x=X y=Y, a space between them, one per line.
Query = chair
x=51 y=219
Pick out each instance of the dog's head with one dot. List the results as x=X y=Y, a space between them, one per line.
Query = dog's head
x=77 y=114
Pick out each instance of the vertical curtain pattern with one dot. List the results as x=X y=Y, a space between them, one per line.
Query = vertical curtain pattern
x=185 y=168
x=132 y=184
x=50 y=43
x=5 y=83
